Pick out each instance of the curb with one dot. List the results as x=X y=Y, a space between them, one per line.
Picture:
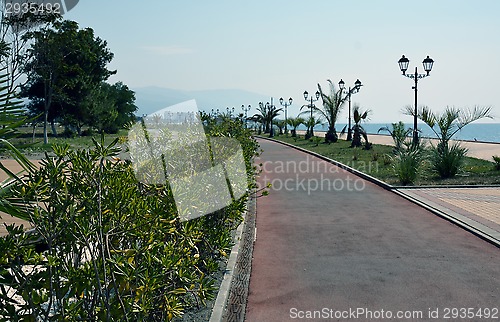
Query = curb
x=225 y=287
x=230 y=304
x=394 y=189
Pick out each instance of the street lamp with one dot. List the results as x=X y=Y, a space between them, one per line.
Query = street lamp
x=353 y=90
x=403 y=65
x=246 y=109
x=310 y=134
x=286 y=104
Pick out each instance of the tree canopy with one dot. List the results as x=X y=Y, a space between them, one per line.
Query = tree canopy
x=67 y=73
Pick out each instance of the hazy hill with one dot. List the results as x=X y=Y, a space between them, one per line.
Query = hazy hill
x=151 y=99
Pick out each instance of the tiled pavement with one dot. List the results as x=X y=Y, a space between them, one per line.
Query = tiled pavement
x=478 y=208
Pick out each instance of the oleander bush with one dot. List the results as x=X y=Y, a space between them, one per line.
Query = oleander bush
x=107 y=248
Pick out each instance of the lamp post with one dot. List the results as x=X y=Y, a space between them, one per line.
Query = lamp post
x=353 y=90
x=403 y=65
x=286 y=104
x=310 y=133
x=246 y=109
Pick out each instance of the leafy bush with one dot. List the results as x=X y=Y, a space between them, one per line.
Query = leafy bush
x=447 y=160
x=496 y=158
x=115 y=248
x=407 y=162
x=398 y=133
x=407 y=166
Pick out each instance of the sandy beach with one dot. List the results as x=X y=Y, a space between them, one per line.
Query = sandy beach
x=480 y=150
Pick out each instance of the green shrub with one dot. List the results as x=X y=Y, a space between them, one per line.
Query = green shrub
x=407 y=165
x=398 y=133
x=116 y=249
x=447 y=160
x=386 y=159
x=497 y=162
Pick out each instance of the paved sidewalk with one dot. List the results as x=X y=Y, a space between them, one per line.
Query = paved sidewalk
x=478 y=208
x=358 y=247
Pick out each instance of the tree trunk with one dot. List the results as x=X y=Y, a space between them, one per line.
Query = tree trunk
x=45 y=121
x=54 y=130
x=34 y=129
x=356 y=137
x=331 y=136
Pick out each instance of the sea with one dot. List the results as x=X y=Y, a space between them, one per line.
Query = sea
x=484 y=132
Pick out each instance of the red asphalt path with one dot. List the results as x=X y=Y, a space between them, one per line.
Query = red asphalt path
x=339 y=251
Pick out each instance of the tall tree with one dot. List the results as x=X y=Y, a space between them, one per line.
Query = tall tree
x=66 y=64
x=113 y=107
x=15 y=31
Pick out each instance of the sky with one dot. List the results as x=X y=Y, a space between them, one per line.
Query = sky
x=282 y=48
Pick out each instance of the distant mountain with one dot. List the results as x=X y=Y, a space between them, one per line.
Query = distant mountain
x=152 y=99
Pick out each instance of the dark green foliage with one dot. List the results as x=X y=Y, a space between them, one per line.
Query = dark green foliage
x=66 y=65
x=448 y=159
x=294 y=122
x=332 y=106
x=407 y=163
x=497 y=162
x=267 y=113
x=116 y=250
x=398 y=133
x=358 y=130
x=113 y=107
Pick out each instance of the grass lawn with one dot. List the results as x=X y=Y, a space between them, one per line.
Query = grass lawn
x=35 y=148
x=378 y=163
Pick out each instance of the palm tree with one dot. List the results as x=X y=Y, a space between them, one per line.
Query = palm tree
x=445 y=159
x=311 y=122
x=398 y=134
x=280 y=124
x=11 y=117
x=357 y=129
x=332 y=106
x=294 y=122
x=267 y=113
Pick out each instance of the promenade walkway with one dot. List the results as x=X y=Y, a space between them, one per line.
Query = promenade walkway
x=331 y=246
